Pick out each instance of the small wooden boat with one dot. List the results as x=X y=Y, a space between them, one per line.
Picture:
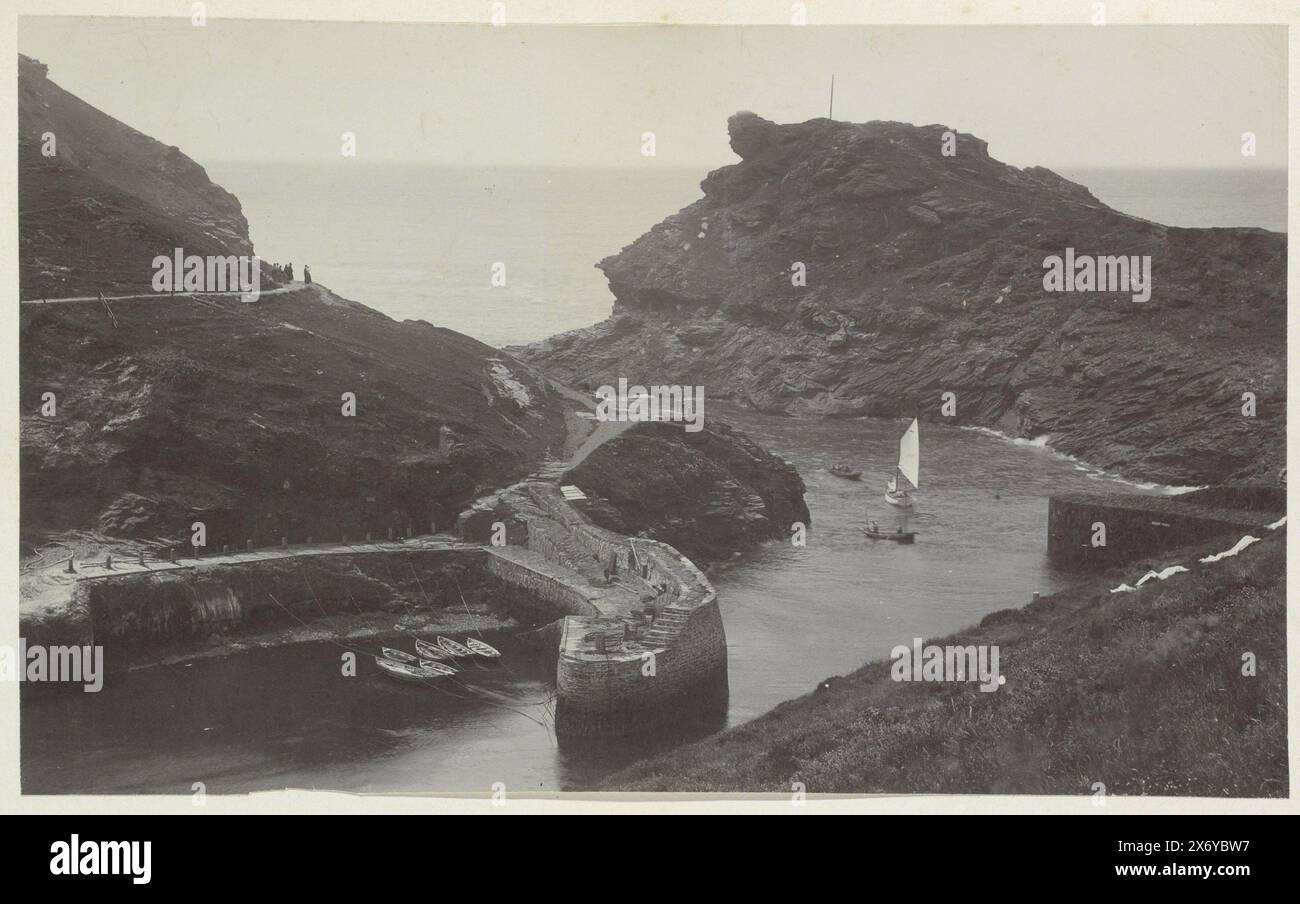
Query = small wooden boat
x=399 y=656
x=431 y=651
x=482 y=649
x=844 y=471
x=898 y=536
x=438 y=669
x=401 y=671
x=453 y=649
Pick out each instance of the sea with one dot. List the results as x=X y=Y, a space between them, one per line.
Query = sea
x=421 y=244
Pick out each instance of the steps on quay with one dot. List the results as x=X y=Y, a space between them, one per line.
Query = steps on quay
x=668 y=625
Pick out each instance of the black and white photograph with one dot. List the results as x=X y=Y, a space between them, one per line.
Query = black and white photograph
x=499 y=410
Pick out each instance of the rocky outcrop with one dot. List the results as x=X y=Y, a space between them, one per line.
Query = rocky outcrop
x=97 y=200
x=924 y=275
x=708 y=494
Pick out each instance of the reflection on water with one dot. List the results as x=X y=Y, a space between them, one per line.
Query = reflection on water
x=289 y=718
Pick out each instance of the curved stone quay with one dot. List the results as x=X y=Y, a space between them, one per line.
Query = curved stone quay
x=634 y=625
x=639 y=637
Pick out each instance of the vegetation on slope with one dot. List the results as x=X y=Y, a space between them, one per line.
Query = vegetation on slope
x=1143 y=692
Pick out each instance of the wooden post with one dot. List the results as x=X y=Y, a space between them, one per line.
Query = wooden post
x=71 y=568
x=249 y=545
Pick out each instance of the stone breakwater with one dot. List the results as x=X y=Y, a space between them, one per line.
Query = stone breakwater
x=637 y=633
x=641 y=639
x=1092 y=531
x=137 y=611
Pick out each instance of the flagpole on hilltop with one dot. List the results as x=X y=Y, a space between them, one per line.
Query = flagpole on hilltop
x=831 y=114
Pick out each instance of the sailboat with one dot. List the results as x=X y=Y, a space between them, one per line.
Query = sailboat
x=907 y=477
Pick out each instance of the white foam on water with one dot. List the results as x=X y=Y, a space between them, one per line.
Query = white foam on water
x=1093 y=472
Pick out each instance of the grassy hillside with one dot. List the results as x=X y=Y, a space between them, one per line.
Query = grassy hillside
x=179 y=408
x=1143 y=692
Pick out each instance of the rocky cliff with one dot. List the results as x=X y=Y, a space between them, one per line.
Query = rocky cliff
x=924 y=274
x=97 y=200
x=144 y=415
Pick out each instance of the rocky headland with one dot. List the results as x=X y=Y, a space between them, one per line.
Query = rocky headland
x=923 y=275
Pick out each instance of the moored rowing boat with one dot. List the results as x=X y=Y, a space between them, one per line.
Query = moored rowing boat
x=482 y=649
x=429 y=650
x=453 y=649
x=401 y=671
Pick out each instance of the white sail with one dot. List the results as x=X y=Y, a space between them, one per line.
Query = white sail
x=909 y=455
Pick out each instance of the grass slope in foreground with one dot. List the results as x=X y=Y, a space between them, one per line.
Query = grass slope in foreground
x=1141 y=691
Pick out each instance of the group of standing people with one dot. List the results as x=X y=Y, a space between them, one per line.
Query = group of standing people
x=285 y=273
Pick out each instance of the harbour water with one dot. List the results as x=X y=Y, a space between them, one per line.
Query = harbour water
x=286 y=718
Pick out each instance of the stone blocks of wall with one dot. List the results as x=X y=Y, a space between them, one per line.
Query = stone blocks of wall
x=1135 y=527
x=627 y=693
x=623 y=691
x=144 y=611
x=558 y=597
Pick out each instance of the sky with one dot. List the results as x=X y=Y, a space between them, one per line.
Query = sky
x=1056 y=96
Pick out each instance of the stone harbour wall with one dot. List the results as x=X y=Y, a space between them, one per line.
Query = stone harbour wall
x=643 y=680
x=626 y=693
x=1139 y=526
x=557 y=597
